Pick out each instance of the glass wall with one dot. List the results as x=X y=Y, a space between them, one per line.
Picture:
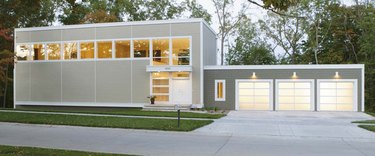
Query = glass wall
x=104 y=49
x=22 y=52
x=87 y=50
x=53 y=51
x=38 y=52
x=160 y=52
x=122 y=49
x=181 y=51
x=70 y=51
x=141 y=48
x=160 y=86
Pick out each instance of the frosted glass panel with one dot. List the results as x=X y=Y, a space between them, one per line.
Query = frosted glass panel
x=289 y=92
x=302 y=92
x=261 y=100
x=302 y=107
x=345 y=107
x=286 y=106
x=248 y=99
x=328 y=92
x=302 y=100
x=345 y=92
x=302 y=85
x=261 y=85
x=246 y=92
x=348 y=100
x=345 y=85
x=327 y=85
x=286 y=85
x=328 y=107
x=286 y=99
x=336 y=96
x=261 y=92
x=245 y=85
x=328 y=100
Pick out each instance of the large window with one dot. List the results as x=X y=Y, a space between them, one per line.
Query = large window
x=160 y=51
x=53 y=51
x=181 y=51
x=160 y=86
x=141 y=48
x=22 y=52
x=38 y=52
x=219 y=90
x=70 y=51
x=104 y=49
x=87 y=50
x=122 y=49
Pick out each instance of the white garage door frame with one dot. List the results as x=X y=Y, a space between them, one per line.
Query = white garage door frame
x=237 y=107
x=312 y=95
x=355 y=92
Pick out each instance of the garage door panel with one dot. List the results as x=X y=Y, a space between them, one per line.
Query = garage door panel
x=243 y=92
x=345 y=100
x=286 y=99
x=302 y=92
x=328 y=92
x=286 y=106
x=286 y=85
x=302 y=85
x=302 y=99
x=345 y=92
x=294 y=95
x=286 y=92
x=254 y=95
x=337 y=96
x=302 y=106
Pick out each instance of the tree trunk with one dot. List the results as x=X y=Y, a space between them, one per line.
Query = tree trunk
x=6 y=86
x=222 y=50
x=317 y=44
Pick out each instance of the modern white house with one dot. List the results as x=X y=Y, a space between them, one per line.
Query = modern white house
x=121 y=64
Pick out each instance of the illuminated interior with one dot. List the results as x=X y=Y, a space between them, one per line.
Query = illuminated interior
x=141 y=48
x=22 y=52
x=294 y=95
x=254 y=95
x=70 y=51
x=104 y=49
x=87 y=50
x=160 y=86
x=160 y=52
x=38 y=52
x=219 y=93
x=53 y=51
x=181 y=51
x=122 y=49
x=336 y=96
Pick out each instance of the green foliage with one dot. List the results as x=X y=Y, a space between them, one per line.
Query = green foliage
x=198 y=11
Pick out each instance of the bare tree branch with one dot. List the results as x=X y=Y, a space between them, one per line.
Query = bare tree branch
x=273 y=10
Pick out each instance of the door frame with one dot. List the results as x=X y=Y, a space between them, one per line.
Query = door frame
x=312 y=95
x=270 y=81
x=355 y=93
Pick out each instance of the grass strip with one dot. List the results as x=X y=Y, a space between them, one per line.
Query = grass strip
x=34 y=151
x=133 y=112
x=110 y=122
x=365 y=121
x=368 y=127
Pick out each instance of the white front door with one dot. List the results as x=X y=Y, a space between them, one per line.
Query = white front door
x=181 y=91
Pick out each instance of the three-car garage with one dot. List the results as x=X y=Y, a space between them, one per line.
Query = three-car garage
x=288 y=87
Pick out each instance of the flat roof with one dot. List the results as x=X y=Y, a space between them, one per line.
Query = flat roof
x=111 y=24
x=299 y=66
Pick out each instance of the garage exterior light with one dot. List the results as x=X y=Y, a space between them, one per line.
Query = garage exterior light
x=254 y=76
x=337 y=76
x=294 y=75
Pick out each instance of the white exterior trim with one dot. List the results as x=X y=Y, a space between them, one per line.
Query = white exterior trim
x=224 y=88
x=270 y=81
x=312 y=95
x=113 y=24
x=355 y=91
x=168 y=68
x=87 y=104
x=320 y=66
x=363 y=90
x=202 y=65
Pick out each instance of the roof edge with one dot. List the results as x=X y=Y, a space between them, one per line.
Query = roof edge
x=306 y=66
x=130 y=23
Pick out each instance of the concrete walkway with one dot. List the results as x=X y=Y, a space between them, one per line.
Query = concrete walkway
x=104 y=115
x=240 y=133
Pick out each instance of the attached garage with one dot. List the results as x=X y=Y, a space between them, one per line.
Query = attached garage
x=337 y=95
x=254 y=95
x=295 y=95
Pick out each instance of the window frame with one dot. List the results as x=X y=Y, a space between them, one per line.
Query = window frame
x=223 y=90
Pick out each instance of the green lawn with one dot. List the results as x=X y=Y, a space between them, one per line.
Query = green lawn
x=133 y=112
x=365 y=121
x=94 y=121
x=368 y=127
x=371 y=113
x=33 y=151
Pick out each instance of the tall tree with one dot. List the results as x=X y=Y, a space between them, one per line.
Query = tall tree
x=197 y=11
x=287 y=32
x=227 y=21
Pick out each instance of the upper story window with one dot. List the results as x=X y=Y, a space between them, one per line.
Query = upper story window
x=122 y=49
x=22 y=52
x=141 y=48
x=38 y=52
x=181 y=51
x=87 y=50
x=53 y=51
x=160 y=52
x=70 y=51
x=104 y=49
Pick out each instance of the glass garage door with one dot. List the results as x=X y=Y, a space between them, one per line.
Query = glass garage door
x=254 y=95
x=294 y=95
x=336 y=96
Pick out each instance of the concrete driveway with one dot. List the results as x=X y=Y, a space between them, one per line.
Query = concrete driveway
x=240 y=133
x=288 y=123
